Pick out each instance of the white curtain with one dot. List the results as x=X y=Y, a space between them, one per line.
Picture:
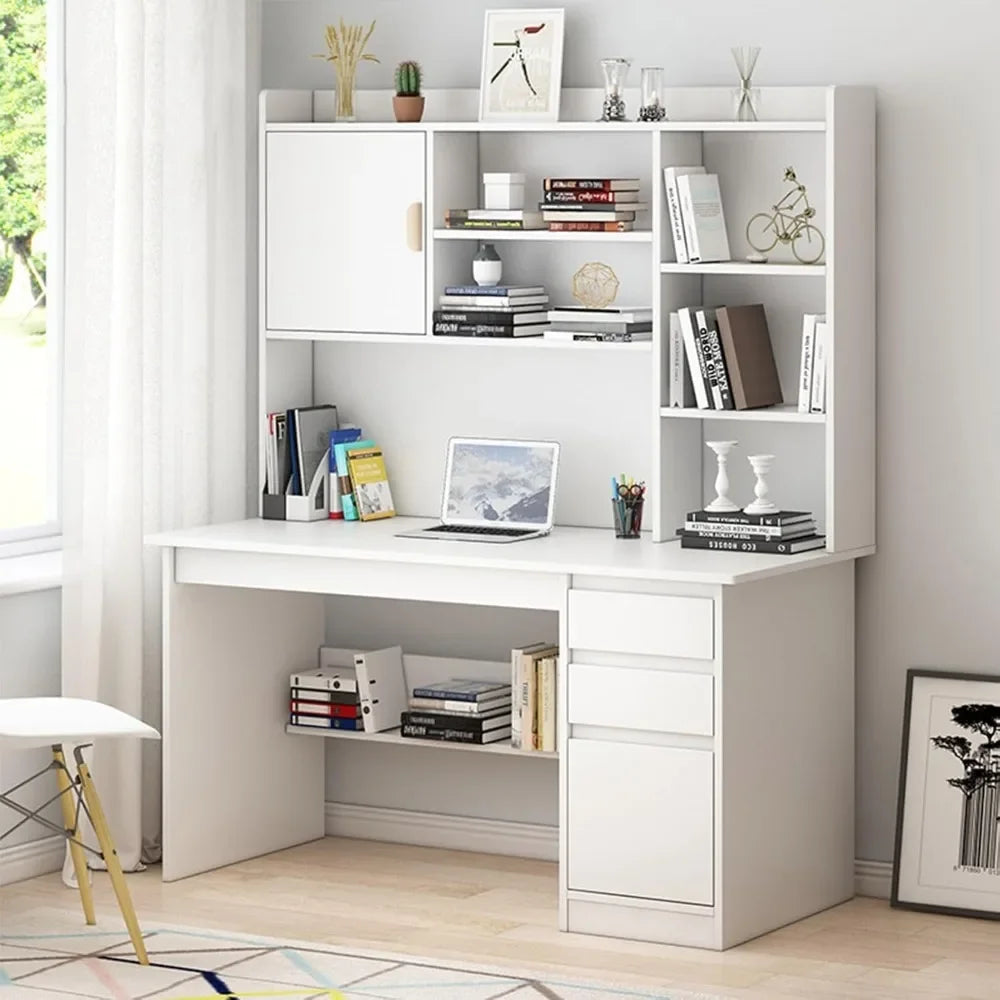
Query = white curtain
x=155 y=341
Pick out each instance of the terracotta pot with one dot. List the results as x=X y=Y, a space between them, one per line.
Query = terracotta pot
x=408 y=109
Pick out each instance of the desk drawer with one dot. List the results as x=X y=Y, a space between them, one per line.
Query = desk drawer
x=659 y=701
x=654 y=624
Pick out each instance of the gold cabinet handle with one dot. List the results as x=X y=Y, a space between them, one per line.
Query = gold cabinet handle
x=415 y=226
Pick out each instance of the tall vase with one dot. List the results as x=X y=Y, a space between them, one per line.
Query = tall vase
x=746 y=99
x=346 y=93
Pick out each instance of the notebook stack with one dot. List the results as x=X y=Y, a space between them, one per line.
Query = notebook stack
x=325 y=699
x=785 y=532
x=492 y=311
x=622 y=325
x=590 y=204
x=459 y=711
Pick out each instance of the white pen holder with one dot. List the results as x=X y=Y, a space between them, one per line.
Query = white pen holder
x=313 y=506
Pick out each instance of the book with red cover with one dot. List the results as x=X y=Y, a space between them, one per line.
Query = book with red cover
x=591 y=183
x=591 y=227
x=573 y=197
x=328 y=708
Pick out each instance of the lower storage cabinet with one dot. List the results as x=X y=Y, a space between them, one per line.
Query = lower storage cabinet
x=641 y=821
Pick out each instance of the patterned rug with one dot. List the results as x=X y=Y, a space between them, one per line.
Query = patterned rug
x=189 y=964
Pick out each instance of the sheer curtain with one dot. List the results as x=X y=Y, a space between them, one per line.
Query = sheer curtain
x=155 y=428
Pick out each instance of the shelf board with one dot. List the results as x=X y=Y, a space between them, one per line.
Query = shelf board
x=492 y=235
x=745 y=267
x=809 y=125
x=504 y=343
x=771 y=414
x=393 y=736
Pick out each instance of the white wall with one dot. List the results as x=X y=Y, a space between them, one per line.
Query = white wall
x=29 y=667
x=928 y=597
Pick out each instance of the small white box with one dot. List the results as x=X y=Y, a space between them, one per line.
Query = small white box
x=503 y=190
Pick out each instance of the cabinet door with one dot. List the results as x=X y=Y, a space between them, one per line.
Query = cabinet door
x=344 y=235
x=640 y=821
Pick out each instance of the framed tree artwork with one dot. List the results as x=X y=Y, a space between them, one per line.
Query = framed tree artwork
x=522 y=65
x=948 y=820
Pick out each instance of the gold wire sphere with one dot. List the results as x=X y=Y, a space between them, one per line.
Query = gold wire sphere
x=595 y=285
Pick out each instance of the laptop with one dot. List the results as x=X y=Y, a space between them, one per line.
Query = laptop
x=496 y=491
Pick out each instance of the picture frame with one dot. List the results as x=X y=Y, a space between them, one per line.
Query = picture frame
x=521 y=76
x=947 y=852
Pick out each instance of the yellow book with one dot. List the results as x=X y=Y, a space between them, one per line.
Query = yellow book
x=371 y=483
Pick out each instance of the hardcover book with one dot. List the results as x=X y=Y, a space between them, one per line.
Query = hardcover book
x=454 y=735
x=561 y=214
x=505 y=291
x=462 y=707
x=746 y=344
x=443 y=328
x=470 y=723
x=489 y=316
x=704 y=220
x=591 y=227
x=738 y=517
x=591 y=183
x=461 y=689
x=370 y=480
x=695 y=359
x=670 y=175
x=769 y=546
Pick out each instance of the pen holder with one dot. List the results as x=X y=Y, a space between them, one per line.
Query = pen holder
x=628 y=516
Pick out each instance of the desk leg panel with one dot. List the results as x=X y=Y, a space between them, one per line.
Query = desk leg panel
x=235 y=785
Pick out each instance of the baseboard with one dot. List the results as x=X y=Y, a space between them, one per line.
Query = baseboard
x=36 y=857
x=497 y=836
x=457 y=833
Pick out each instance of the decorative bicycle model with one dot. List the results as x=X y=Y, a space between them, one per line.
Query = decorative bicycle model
x=789 y=224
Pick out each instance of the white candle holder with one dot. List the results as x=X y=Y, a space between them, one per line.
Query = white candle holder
x=761 y=465
x=722 y=504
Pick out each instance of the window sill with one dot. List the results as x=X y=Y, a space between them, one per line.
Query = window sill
x=24 y=574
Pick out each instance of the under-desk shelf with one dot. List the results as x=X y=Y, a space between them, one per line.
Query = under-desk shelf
x=771 y=414
x=544 y=235
x=393 y=736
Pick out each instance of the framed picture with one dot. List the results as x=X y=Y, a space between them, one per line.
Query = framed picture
x=948 y=820
x=522 y=65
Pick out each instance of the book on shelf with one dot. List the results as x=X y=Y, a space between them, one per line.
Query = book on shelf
x=343 y=435
x=710 y=346
x=768 y=546
x=456 y=314
x=584 y=210
x=498 y=291
x=330 y=709
x=809 y=321
x=546 y=686
x=326 y=722
x=607 y=337
x=461 y=689
x=681 y=389
x=670 y=175
x=738 y=517
x=703 y=218
x=446 y=328
x=562 y=214
x=484 y=218
x=601 y=327
x=591 y=227
x=345 y=487
x=474 y=708
x=695 y=358
x=590 y=183
x=821 y=358
x=309 y=438
x=469 y=723
x=369 y=482
x=586 y=196
x=623 y=314
x=524 y=676
x=451 y=735
x=711 y=529
x=492 y=301
x=749 y=357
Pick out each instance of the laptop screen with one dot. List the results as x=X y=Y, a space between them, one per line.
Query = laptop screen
x=506 y=482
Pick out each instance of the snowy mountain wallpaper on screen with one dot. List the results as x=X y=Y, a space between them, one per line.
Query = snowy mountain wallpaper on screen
x=500 y=483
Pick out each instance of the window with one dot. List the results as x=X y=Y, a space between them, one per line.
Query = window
x=30 y=270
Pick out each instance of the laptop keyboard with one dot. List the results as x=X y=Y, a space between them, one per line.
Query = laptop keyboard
x=481 y=529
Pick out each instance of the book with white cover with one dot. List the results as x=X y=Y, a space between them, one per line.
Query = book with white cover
x=817 y=398
x=704 y=220
x=679 y=375
x=689 y=335
x=381 y=687
x=809 y=321
x=670 y=175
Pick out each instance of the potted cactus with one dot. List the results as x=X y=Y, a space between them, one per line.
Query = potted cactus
x=408 y=104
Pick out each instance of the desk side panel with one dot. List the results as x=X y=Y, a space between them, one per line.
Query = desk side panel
x=235 y=785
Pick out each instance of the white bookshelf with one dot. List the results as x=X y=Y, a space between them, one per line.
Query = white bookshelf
x=309 y=349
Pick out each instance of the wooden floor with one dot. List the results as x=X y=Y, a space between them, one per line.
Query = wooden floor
x=502 y=911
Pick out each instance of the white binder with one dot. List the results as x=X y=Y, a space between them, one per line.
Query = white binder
x=382 y=688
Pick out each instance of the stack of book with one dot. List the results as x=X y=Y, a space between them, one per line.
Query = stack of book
x=325 y=699
x=590 y=204
x=533 y=715
x=492 y=218
x=784 y=532
x=729 y=359
x=812 y=370
x=459 y=711
x=492 y=311
x=623 y=324
x=697 y=222
x=359 y=482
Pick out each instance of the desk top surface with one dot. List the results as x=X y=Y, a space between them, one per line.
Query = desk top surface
x=583 y=551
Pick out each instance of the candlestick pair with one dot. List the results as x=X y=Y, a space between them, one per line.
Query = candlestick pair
x=761 y=465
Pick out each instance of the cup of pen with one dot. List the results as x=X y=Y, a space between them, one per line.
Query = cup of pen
x=626 y=503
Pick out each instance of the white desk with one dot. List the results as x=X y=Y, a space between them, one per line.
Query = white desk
x=710 y=803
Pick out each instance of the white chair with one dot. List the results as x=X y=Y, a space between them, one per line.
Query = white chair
x=40 y=722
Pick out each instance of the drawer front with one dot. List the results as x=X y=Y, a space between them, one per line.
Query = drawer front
x=660 y=701
x=658 y=625
x=640 y=821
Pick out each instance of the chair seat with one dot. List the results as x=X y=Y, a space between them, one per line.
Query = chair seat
x=37 y=722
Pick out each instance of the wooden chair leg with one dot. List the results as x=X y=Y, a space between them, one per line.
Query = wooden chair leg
x=100 y=823
x=66 y=800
